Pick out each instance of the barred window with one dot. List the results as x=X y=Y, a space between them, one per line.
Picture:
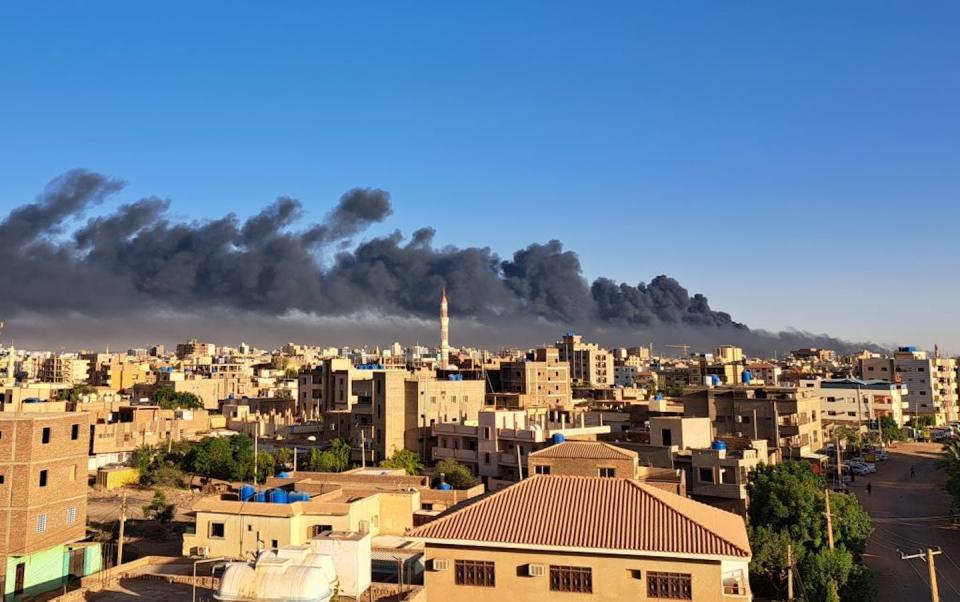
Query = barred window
x=670 y=586
x=71 y=515
x=571 y=579
x=474 y=572
x=41 y=523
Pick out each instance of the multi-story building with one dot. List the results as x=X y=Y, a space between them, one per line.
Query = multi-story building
x=588 y=362
x=788 y=418
x=585 y=538
x=195 y=349
x=728 y=354
x=859 y=403
x=68 y=369
x=43 y=501
x=931 y=382
x=765 y=372
x=117 y=433
x=495 y=445
x=329 y=386
x=115 y=372
x=542 y=381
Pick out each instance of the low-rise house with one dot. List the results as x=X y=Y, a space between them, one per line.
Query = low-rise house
x=585 y=538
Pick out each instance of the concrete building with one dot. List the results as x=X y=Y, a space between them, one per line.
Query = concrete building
x=859 y=403
x=728 y=354
x=43 y=512
x=765 y=373
x=116 y=433
x=65 y=368
x=588 y=362
x=585 y=538
x=931 y=382
x=496 y=445
x=540 y=381
x=195 y=349
x=789 y=419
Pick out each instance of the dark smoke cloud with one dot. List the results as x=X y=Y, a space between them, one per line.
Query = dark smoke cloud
x=136 y=262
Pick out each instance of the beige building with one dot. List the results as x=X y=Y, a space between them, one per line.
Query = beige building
x=589 y=364
x=543 y=381
x=585 y=538
x=118 y=432
x=68 y=369
x=788 y=418
x=195 y=349
x=931 y=382
x=496 y=445
x=728 y=354
x=859 y=403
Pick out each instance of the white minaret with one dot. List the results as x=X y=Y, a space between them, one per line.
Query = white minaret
x=444 y=331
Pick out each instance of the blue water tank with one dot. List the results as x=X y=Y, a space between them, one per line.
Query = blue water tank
x=558 y=438
x=283 y=475
x=746 y=377
x=298 y=496
x=718 y=445
x=658 y=397
x=714 y=380
x=261 y=497
x=445 y=487
x=278 y=496
x=247 y=492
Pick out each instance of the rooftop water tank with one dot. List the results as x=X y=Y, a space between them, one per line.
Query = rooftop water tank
x=558 y=438
x=746 y=377
x=278 y=496
x=298 y=496
x=658 y=397
x=247 y=492
x=718 y=445
x=283 y=475
x=445 y=487
x=261 y=497
x=715 y=379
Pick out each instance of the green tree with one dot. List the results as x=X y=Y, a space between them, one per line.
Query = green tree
x=142 y=458
x=341 y=454
x=405 y=459
x=950 y=463
x=168 y=399
x=891 y=430
x=266 y=466
x=284 y=458
x=321 y=461
x=74 y=393
x=456 y=474
x=823 y=570
x=922 y=421
x=213 y=458
x=158 y=509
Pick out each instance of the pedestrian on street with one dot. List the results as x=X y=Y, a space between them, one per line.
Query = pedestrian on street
x=913 y=472
x=869 y=489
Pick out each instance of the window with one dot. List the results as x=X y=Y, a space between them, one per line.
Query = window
x=73 y=472
x=733 y=584
x=217 y=530
x=571 y=579
x=606 y=472
x=705 y=475
x=41 y=523
x=542 y=469
x=75 y=432
x=274 y=544
x=46 y=435
x=43 y=478
x=670 y=586
x=71 y=515
x=474 y=572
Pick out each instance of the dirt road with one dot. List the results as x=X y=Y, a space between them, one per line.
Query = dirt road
x=908 y=515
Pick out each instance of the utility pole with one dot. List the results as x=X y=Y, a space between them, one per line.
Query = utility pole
x=294 y=458
x=256 y=438
x=839 y=457
x=755 y=436
x=789 y=572
x=363 y=451
x=123 y=520
x=931 y=567
x=829 y=520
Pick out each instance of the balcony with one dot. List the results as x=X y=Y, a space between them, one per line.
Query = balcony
x=461 y=455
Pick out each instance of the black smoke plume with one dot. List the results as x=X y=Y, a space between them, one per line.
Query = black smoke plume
x=135 y=263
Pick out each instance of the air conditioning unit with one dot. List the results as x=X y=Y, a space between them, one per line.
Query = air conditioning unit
x=536 y=570
x=203 y=551
x=440 y=564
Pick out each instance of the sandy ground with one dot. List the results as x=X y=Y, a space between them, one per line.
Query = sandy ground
x=902 y=507
x=103 y=508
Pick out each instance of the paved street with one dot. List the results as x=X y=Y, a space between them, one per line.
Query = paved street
x=900 y=506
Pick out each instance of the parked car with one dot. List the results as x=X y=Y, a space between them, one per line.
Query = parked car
x=860 y=470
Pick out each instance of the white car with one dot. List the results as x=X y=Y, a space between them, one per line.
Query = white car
x=865 y=466
x=860 y=470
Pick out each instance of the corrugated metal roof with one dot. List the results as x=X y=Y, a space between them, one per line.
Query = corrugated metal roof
x=595 y=513
x=593 y=450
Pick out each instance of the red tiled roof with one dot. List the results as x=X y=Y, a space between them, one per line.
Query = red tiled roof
x=592 y=450
x=594 y=513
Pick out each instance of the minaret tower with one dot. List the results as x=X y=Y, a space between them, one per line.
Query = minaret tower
x=444 y=331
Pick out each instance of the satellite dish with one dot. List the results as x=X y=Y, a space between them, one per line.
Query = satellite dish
x=312 y=438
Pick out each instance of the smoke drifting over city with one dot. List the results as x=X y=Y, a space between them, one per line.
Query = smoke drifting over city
x=136 y=274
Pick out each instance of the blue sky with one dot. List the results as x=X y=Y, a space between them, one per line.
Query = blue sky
x=800 y=165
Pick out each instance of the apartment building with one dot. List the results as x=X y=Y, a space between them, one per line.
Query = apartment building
x=542 y=380
x=329 y=386
x=67 y=369
x=496 y=445
x=588 y=362
x=233 y=525
x=116 y=372
x=43 y=488
x=728 y=354
x=585 y=538
x=718 y=475
x=859 y=403
x=789 y=419
x=194 y=349
x=931 y=382
x=765 y=373
x=118 y=432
